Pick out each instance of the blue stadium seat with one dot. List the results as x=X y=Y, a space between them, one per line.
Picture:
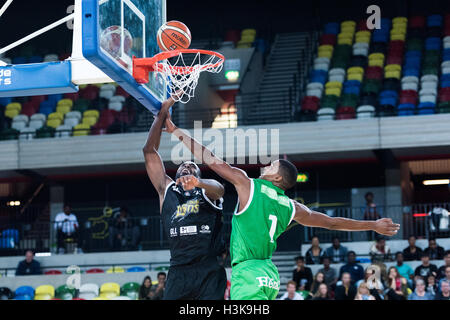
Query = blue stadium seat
x=5 y=101
x=19 y=60
x=331 y=28
x=433 y=43
x=9 y=239
x=36 y=59
x=434 y=20
x=136 y=269
x=24 y=293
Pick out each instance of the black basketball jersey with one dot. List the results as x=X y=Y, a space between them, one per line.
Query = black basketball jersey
x=193 y=224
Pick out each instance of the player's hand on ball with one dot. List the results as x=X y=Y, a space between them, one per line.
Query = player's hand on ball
x=188 y=182
x=386 y=227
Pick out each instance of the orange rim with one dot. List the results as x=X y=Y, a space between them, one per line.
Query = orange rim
x=141 y=66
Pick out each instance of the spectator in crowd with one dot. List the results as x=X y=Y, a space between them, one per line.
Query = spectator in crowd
x=432 y=286
x=323 y=293
x=374 y=285
x=346 y=290
x=29 y=266
x=404 y=269
x=315 y=253
x=426 y=269
x=145 y=289
x=328 y=272
x=447 y=277
x=356 y=271
x=444 y=292
x=66 y=226
x=370 y=213
x=157 y=293
x=441 y=270
x=397 y=286
x=318 y=280
x=380 y=251
x=363 y=292
x=412 y=252
x=434 y=251
x=302 y=275
x=124 y=233
x=420 y=293
x=337 y=252
x=291 y=294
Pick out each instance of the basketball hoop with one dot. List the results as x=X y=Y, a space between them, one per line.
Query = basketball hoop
x=181 y=67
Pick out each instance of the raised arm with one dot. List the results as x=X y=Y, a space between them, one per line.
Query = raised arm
x=309 y=218
x=153 y=162
x=213 y=189
x=233 y=175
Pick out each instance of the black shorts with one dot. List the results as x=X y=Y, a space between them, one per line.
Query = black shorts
x=205 y=280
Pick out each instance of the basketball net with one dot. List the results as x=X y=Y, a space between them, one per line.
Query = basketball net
x=182 y=68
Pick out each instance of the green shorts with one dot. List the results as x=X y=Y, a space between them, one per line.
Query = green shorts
x=254 y=280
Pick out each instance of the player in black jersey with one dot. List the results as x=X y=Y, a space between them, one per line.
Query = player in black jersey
x=191 y=213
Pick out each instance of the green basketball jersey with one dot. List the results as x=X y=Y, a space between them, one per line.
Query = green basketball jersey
x=256 y=228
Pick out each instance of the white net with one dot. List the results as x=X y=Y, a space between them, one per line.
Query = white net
x=183 y=72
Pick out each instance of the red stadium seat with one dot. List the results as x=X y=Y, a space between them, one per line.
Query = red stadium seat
x=328 y=39
x=344 y=113
x=95 y=270
x=121 y=92
x=52 y=272
x=90 y=92
x=416 y=22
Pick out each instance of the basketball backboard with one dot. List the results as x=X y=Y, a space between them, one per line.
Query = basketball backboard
x=113 y=31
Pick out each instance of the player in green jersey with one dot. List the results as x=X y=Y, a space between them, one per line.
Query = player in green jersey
x=264 y=212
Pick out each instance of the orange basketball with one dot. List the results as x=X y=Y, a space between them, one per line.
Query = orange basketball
x=174 y=35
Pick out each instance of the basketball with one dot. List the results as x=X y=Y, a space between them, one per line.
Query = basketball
x=174 y=35
x=110 y=40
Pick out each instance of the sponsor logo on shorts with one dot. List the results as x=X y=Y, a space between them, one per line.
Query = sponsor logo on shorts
x=173 y=232
x=205 y=229
x=5 y=77
x=188 y=231
x=268 y=282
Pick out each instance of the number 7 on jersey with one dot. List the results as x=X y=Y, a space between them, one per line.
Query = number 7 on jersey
x=273 y=227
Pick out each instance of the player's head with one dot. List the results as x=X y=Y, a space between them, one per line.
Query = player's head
x=188 y=168
x=281 y=173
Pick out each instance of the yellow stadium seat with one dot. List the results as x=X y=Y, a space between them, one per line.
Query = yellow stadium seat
x=399 y=20
x=362 y=40
x=81 y=130
x=398 y=31
x=14 y=106
x=376 y=56
x=91 y=113
x=348 y=31
x=251 y=32
x=396 y=37
x=355 y=76
x=247 y=39
x=101 y=298
x=54 y=123
x=348 y=23
x=90 y=121
x=333 y=92
x=63 y=109
x=393 y=74
x=333 y=84
x=243 y=45
x=110 y=290
x=325 y=54
x=393 y=67
x=346 y=41
x=363 y=34
x=359 y=70
x=11 y=113
x=325 y=47
x=65 y=102
x=376 y=63
x=115 y=270
x=56 y=115
x=45 y=292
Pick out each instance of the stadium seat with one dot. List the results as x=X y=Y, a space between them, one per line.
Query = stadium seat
x=54 y=123
x=122 y=298
x=115 y=270
x=81 y=130
x=131 y=290
x=53 y=272
x=88 y=291
x=109 y=290
x=44 y=292
x=6 y=293
x=27 y=133
x=65 y=293
x=136 y=269
x=89 y=121
x=24 y=293
x=71 y=122
x=63 y=131
x=45 y=132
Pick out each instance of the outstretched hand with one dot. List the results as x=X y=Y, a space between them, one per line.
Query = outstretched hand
x=188 y=182
x=386 y=227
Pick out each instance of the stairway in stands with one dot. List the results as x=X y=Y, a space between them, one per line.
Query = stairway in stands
x=285 y=263
x=287 y=67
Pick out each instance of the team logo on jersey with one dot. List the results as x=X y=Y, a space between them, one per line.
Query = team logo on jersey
x=188 y=231
x=268 y=282
x=173 y=232
x=205 y=229
x=191 y=206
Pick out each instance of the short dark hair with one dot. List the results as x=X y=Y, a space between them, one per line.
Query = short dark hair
x=29 y=250
x=446 y=253
x=351 y=252
x=424 y=254
x=289 y=173
x=369 y=194
x=431 y=239
x=397 y=253
x=161 y=274
x=335 y=238
x=299 y=258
